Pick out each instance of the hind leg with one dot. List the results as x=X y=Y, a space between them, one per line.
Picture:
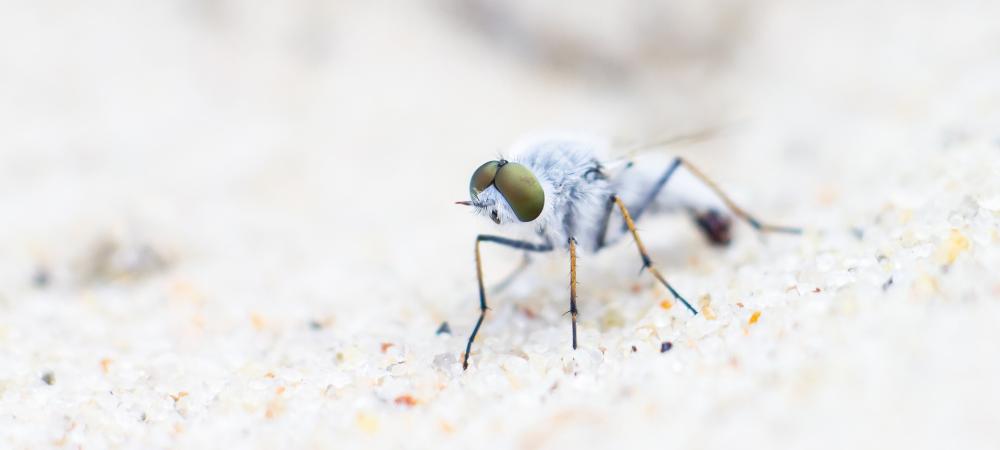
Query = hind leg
x=714 y=224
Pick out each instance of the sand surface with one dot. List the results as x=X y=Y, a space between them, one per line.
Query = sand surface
x=230 y=224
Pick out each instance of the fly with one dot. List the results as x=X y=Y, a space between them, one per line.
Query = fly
x=564 y=194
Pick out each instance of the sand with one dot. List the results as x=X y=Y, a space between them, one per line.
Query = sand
x=230 y=224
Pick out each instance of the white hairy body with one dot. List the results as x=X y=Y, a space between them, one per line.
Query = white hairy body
x=578 y=179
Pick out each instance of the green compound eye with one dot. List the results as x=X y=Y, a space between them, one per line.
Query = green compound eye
x=482 y=178
x=521 y=189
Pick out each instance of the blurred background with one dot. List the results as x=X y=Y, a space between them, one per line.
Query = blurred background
x=342 y=130
x=177 y=176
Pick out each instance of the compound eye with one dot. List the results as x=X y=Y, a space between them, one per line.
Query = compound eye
x=482 y=178
x=521 y=190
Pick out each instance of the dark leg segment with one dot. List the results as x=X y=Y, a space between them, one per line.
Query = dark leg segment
x=646 y=261
x=603 y=233
x=521 y=245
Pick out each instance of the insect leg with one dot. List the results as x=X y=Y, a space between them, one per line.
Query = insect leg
x=660 y=183
x=572 y=285
x=521 y=245
x=739 y=212
x=736 y=210
x=605 y=220
x=646 y=261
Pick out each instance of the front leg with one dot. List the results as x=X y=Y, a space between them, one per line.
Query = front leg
x=521 y=245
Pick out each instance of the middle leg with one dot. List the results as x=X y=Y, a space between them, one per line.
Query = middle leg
x=646 y=260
